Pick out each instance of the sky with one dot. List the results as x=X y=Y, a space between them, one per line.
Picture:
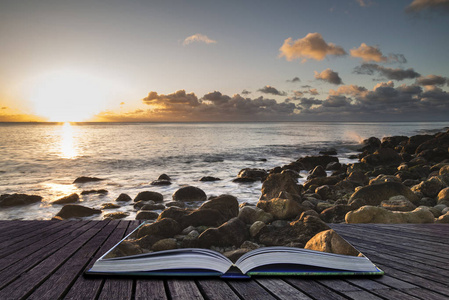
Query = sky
x=182 y=61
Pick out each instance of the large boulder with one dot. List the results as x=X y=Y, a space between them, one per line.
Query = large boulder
x=123 y=198
x=251 y=214
x=376 y=193
x=329 y=241
x=429 y=188
x=281 y=209
x=383 y=156
x=84 y=179
x=198 y=217
x=413 y=142
x=441 y=140
x=370 y=144
x=72 y=198
x=76 y=211
x=372 y=214
x=335 y=214
x=149 y=195
x=393 y=141
x=277 y=183
x=310 y=162
x=398 y=203
x=227 y=205
x=443 y=196
x=18 y=199
x=318 y=171
x=189 y=193
x=231 y=233
x=252 y=173
x=319 y=181
x=164 y=228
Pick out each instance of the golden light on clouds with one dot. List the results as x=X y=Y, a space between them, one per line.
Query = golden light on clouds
x=68 y=96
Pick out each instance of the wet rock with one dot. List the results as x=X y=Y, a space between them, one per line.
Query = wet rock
x=281 y=208
x=165 y=228
x=209 y=178
x=362 y=167
x=72 y=198
x=76 y=211
x=441 y=140
x=358 y=178
x=398 y=203
x=329 y=241
x=160 y=182
x=335 y=214
x=326 y=192
x=164 y=244
x=277 y=183
x=153 y=206
x=318 y=171
x=372 y=214
x=175 y=203
x=295 y=166
x=149 y=195
x=109 y=206
x=393 y=141
x=256 y=227
x=292 y=173
x=251 y=214
x=227 y=205
x=125 y=248
x=199 y=217
x=115 y=215
x=383 y=179
x=249 y=245
x=146 y=215
x=310 y=162
x=443 y=196
x=383 y=156
x=413 y=142
x=18 y=199
x=328 y=151
x=234 y=255
x=84 y=179
x=244 y=180
x=141 y=203
x=101 y=192
x=333 y=166
x=330 y=180
x=164 y=177
x=370 y=144
x=189 y=193
x=375 y=194
x=231 y=233
x=256 y=174
x=123 y=198
x=443 y=219
x=429 y=188
x=444 y=170
x=426 y=201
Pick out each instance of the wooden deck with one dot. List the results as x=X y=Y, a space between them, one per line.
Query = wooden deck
x=46 y=260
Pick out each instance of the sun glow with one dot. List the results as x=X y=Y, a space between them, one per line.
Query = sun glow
x=69 y=96
x=68 y=149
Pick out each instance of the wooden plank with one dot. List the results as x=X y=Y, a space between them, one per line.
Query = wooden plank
x=18 y=228
x=151 y=289
x=216 y=288
x=34 y=277
x=313 y=289
x=249 y=289
x=281 y=289
x=181 y=289
x=60 y=281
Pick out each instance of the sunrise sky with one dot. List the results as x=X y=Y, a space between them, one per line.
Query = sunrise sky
x=347 y=60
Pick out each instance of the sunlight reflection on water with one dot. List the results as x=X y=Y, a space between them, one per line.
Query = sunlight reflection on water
x=67 y=144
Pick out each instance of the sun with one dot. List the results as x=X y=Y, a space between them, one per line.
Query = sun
x=69 y=96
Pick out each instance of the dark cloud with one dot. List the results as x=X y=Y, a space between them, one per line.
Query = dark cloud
x=177 y=98
x=271 y=90
x=329 y=76
x=299 y=94
x=296 y=79
x=430 y=5
x=432 y=80
x=306 y=103
x=336 y=101
x=216 y=97
x=390 y=73
x=400 y=58
x=312 y=46
x=245 y=92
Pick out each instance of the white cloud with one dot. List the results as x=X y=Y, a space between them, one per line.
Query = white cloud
x=198 y=38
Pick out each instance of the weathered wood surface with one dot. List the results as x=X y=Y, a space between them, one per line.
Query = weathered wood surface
x=47 y=259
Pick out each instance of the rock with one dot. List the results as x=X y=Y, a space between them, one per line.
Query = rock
x=444 y=170
x=147 y=241
x=328 y=151
x=335 y=214
x=175 y=203
x=443 y=197
x=277 y=183
x=426 y=201
x=384 y=178
x=323 y=205
x=413 y=142
x=152 y=206
x=123 y=198
x=209 y=178
x=76 y=211
x=109 y=206
x=393 y=141
x=199 y=217
x=370 y=144
x=160 y=182
x=18 y=199
x=84 y=179
x=125 y=248
x=234 y=255
x=244 y=180
x=310 y=162
x=330 y=180
x=149 y=195
x=329 y=241
x=281 y=208
x=398 y=203
x=67 y=199
x=256 y=174
x=372 y=214
x=249 y=245
x=227 y=205
x=146 y=215
x=141 y=203
x=251 y=214
x=164 y=244
x=358 y=178
x=165 y=228
x=189 y=193
x=375 y=194
x=443 y=218
x=318 y=171
x=362 y=167
x=440 y=140
x=280 y=223
x=429 y=188
x=164 y=177
x=292 y=173
x=115 y=215
x=333 y=166
x=295 y=166
x=102 y=192
x=383 y=156
x=326 y=192
x=231 y=233
x=256 y=227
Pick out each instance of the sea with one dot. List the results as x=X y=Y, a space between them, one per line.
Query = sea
x=45 y=158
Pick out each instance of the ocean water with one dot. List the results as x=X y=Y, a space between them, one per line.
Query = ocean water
x=45 y=159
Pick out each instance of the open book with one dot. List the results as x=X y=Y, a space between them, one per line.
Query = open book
x=273 y=260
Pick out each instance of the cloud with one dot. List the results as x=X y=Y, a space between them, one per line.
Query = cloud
x=306 y=103
x=432 y=80
x=312 y=46
x=296 y=79
x=389 y=73
x=353 y=90
x=372 y=53
x=177 y=98
x=420 y=5
x=198 y=38
x=271 y=90
x=329 y=76
x=364 y=3
x=216 y=97
x=299 y=94
x=245 y=92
